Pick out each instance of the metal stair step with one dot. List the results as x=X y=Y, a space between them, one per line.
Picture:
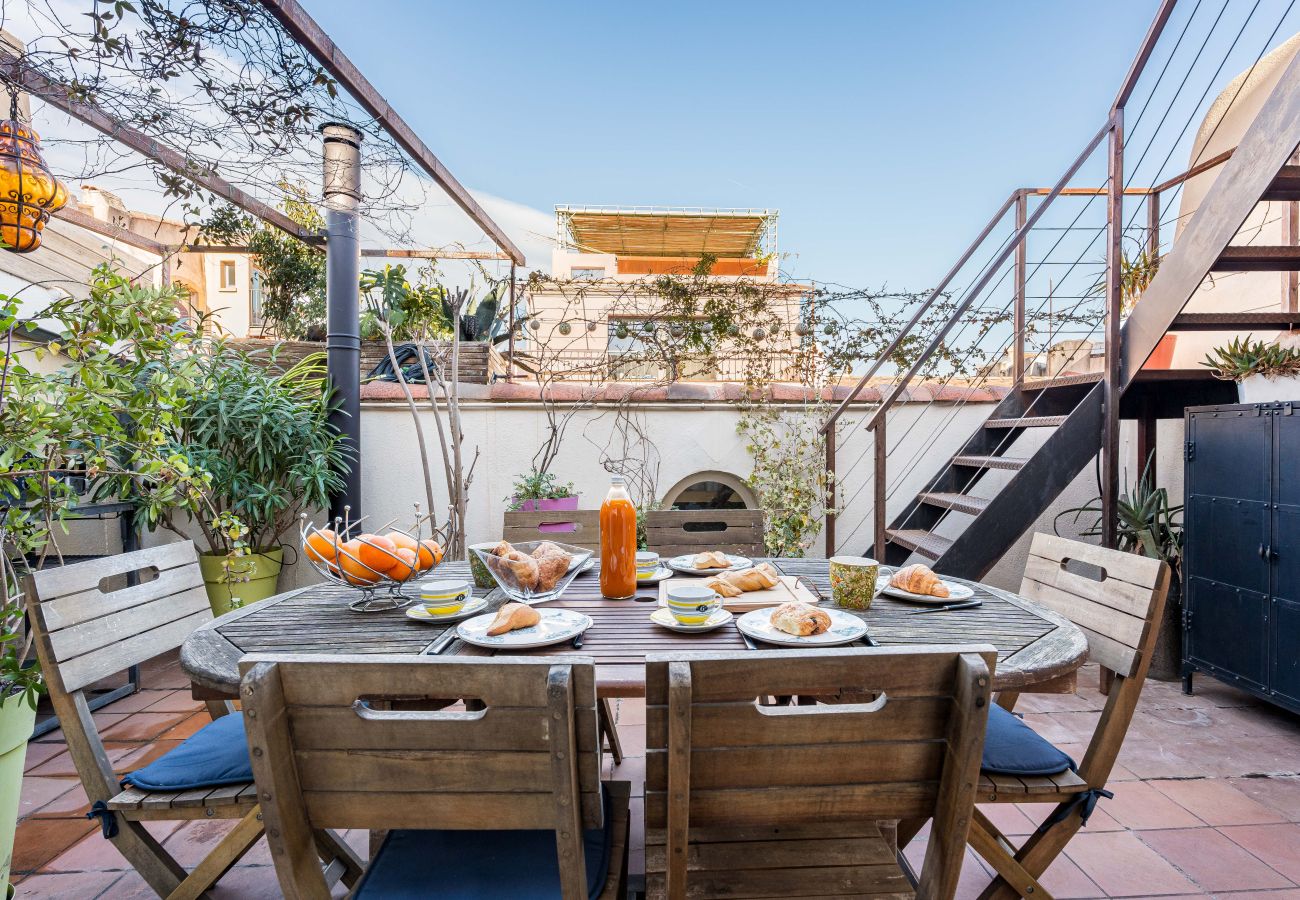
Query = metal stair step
x=1026 y=422
x=1257 y=259
x=956 y=502
x=990 y=462
x=922 y=542
x=1059 y=381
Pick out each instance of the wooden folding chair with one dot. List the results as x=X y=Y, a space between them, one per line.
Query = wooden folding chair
x=1117 y=599
x=85 y=631
x=748 y=800
x=672 y=532
x=456 y=785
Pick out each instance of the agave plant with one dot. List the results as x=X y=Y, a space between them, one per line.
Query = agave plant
x=1242 y=358
x=484 y=320
x=1148 y=524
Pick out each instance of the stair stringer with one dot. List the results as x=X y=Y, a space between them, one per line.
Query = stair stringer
x=1015 y=508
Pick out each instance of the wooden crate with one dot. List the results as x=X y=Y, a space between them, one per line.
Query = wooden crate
x=672 y=532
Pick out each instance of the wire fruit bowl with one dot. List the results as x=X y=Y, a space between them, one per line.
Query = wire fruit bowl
x=378 y=565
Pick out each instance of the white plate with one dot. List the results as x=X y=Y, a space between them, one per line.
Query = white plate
x=556 y=627
x=472 y=606
x=845 y=629
x=683 y=565
x=660 y=574
x=662 y=616
x=956 y=594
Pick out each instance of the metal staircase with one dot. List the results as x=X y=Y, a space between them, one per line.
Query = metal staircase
x=1083 y=411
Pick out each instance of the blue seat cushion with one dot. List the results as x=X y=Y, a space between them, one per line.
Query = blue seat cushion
x=214 y=756
x=1013 y=748
x=521 y=865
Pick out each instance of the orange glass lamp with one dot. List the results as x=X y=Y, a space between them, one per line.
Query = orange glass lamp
x=29 y=192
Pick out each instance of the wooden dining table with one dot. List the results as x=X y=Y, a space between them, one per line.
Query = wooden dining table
x=1038 y=650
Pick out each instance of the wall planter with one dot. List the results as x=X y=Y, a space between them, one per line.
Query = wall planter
x=17 y=717
x=253 y=577
x=1263 y=389
x=551 y=504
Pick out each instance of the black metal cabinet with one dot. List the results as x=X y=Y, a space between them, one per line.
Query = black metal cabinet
x=1241 y=571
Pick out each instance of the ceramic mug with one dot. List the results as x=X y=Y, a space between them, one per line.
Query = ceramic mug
x=444 y=597
x=647 y=563
x=692 y=604
x=853 y=581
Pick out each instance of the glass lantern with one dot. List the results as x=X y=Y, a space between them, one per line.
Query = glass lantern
x=29 y=192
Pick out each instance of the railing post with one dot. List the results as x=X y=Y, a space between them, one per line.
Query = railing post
x=830 y=493
x=510 y=340
x=1022 y=260
x=1153 y=225
x=878 y=504
x=1114 y=287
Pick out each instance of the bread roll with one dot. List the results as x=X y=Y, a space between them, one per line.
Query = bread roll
x=513 y=616
x=550 y=569
x=710 y=559
x=800 y=619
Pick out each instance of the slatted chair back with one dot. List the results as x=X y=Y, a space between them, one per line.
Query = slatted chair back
x=673 y=532
x=526 y=526
x=92 y=624
x=808 y=785
x=326 y=755
x=1117 y=599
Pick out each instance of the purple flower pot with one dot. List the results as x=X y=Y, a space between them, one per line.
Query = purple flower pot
x=551 y=505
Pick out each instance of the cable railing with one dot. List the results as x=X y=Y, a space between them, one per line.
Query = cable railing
x=1012 y=318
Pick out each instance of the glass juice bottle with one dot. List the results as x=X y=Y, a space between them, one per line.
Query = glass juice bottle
x=617 y=542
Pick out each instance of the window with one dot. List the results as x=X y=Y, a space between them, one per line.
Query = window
x=710 y=490
x=587 y=273
x=227 y=277
x=255 y=298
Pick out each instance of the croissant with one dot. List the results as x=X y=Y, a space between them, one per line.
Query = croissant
x=711 y=559
x=550 y=569
x=800 y=619
x=723 y=586
x=512 y=616
x=517 y=567
x=760 y=578
x=548 y=548
x=502 y=548
x=918 y=579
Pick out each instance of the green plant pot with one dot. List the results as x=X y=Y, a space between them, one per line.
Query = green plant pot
x=253 y=577
x=16 y=721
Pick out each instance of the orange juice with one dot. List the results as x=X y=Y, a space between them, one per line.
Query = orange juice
x=617 y=542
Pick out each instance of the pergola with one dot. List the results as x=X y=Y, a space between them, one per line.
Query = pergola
x=341 y=155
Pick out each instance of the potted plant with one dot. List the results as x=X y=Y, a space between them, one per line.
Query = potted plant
x=1150 y=525
x=1264 y=372
x=262 y=436
x=20 y=684
x=539 y=492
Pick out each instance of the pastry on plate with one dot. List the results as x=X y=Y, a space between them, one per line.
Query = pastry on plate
x=800 y=619
x=732 y=584
x=513 y=616
x=710 y=559
x=918 y=579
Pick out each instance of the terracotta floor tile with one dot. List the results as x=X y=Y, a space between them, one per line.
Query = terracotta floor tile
x=142 y=726
x=1064 y=878
x=141 y=699
x=176 y=701
x=1216 y=802
x=1123 y=866
x=37 y=841
x=1277 y=845
x=42 y=751
x=241 y=882
x=95 y=853
x=141 y=754
x=1281 y=793
x=1291 y=894
x=1213 y=861
x=105 y=720
x=73 y=886
x=38 y=791
x=68 y=805
x=187 y=727
x=190 y=843
x=1138 y=805
x=631 y=711
x=1009 y=819
x=1046 y=703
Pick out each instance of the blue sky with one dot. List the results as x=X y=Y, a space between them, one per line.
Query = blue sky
x=885 y=133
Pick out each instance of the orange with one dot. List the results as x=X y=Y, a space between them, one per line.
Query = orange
x=430 y=554
x=406 y=567
x=354 y=572
x=377 y=552
x=403 y=540
x=320 y=546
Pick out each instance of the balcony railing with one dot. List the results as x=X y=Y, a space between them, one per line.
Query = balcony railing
x=595 y=366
